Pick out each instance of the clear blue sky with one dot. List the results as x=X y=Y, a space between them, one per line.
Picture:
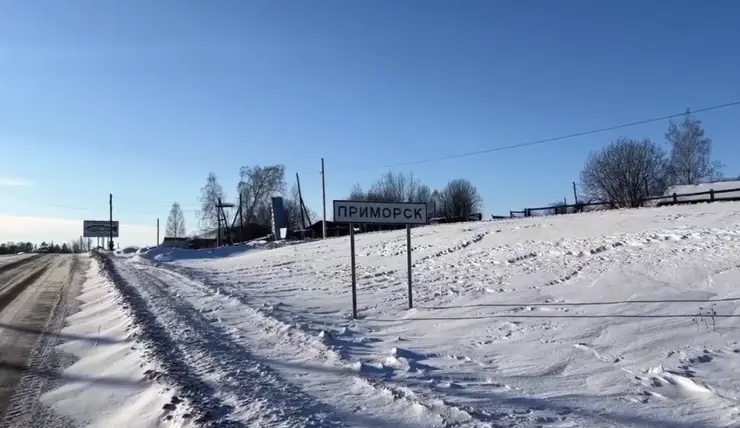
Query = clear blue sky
x=142 y=98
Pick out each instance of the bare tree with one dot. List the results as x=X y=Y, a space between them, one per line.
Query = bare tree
x=209 y=196
x=398 y=187
x=357 y=193
x=292 y=204
x=423 y=194
x=691 y=151
x=434 y=204
x=257 y=184
x=460 y=198
x=625 y=172
x=393 y=187
x=175 y=222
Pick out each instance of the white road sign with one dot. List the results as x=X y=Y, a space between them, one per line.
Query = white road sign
x=99 y=229
x=380 y=212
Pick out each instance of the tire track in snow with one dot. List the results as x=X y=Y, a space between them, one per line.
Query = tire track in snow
x=24 y=406
x=193 y=351
x=330 y=350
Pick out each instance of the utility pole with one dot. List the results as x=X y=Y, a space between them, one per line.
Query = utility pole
x=218 y=227
x=220 y=211
x=241 y=219
x=300 y=201
x=323 y=196
x=575 y=193
x=157 y=232
x=110 y=226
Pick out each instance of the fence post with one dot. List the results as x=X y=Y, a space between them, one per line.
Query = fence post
x=711 y=195
x=675 y=198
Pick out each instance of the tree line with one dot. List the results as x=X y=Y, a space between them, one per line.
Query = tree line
x=458 y=198
x=72 y=247
x=627 y=171
x=259 y=183
x=254 y=191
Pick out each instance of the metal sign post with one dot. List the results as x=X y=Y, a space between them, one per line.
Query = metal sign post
x=354 y=271
x=408 y=261
x=396 y=213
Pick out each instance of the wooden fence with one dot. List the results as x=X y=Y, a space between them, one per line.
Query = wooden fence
x=663 y=200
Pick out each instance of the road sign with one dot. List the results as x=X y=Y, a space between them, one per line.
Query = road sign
x=99 y=229
x=361 y=212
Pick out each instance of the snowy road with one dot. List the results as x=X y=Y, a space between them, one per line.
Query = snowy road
x=33 y=296
x=224 y=383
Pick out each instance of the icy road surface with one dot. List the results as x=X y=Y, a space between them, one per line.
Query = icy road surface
x=614 y=319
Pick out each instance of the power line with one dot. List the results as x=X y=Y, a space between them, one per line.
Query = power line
x=553 y=139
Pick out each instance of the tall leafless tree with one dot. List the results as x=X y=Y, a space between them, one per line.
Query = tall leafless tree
x=209 y=196
x=434 y=205
x=690 y=160
x=175 y=222
x=292 y=205
x=398 y=187
x=460 y=198
x=257 y=185
x=625 y=172
x=357 y=193
x=393 y=187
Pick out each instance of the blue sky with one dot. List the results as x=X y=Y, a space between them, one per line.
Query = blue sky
x=143 y=98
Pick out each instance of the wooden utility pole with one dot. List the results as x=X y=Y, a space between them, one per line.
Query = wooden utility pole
x=323 y=197
x=304 y=211
x=110 y=225
x=218 y=223
x=241 y=219
x=575 y=193
x=300 y=201
x=220 y=212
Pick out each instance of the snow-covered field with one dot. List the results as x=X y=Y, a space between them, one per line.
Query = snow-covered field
x=607 y=319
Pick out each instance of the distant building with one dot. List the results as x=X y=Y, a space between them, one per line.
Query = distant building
x=236 y=234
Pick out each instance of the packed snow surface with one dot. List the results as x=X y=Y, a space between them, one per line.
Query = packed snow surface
x=607 y=319
x=107 y=386
x=7 y=259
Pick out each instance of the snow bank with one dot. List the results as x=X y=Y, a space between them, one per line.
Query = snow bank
x=107 y=387
x=704 y=187
x=169 y=254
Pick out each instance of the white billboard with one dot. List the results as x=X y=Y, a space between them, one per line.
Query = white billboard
x=99 y=228
x=362 y=212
